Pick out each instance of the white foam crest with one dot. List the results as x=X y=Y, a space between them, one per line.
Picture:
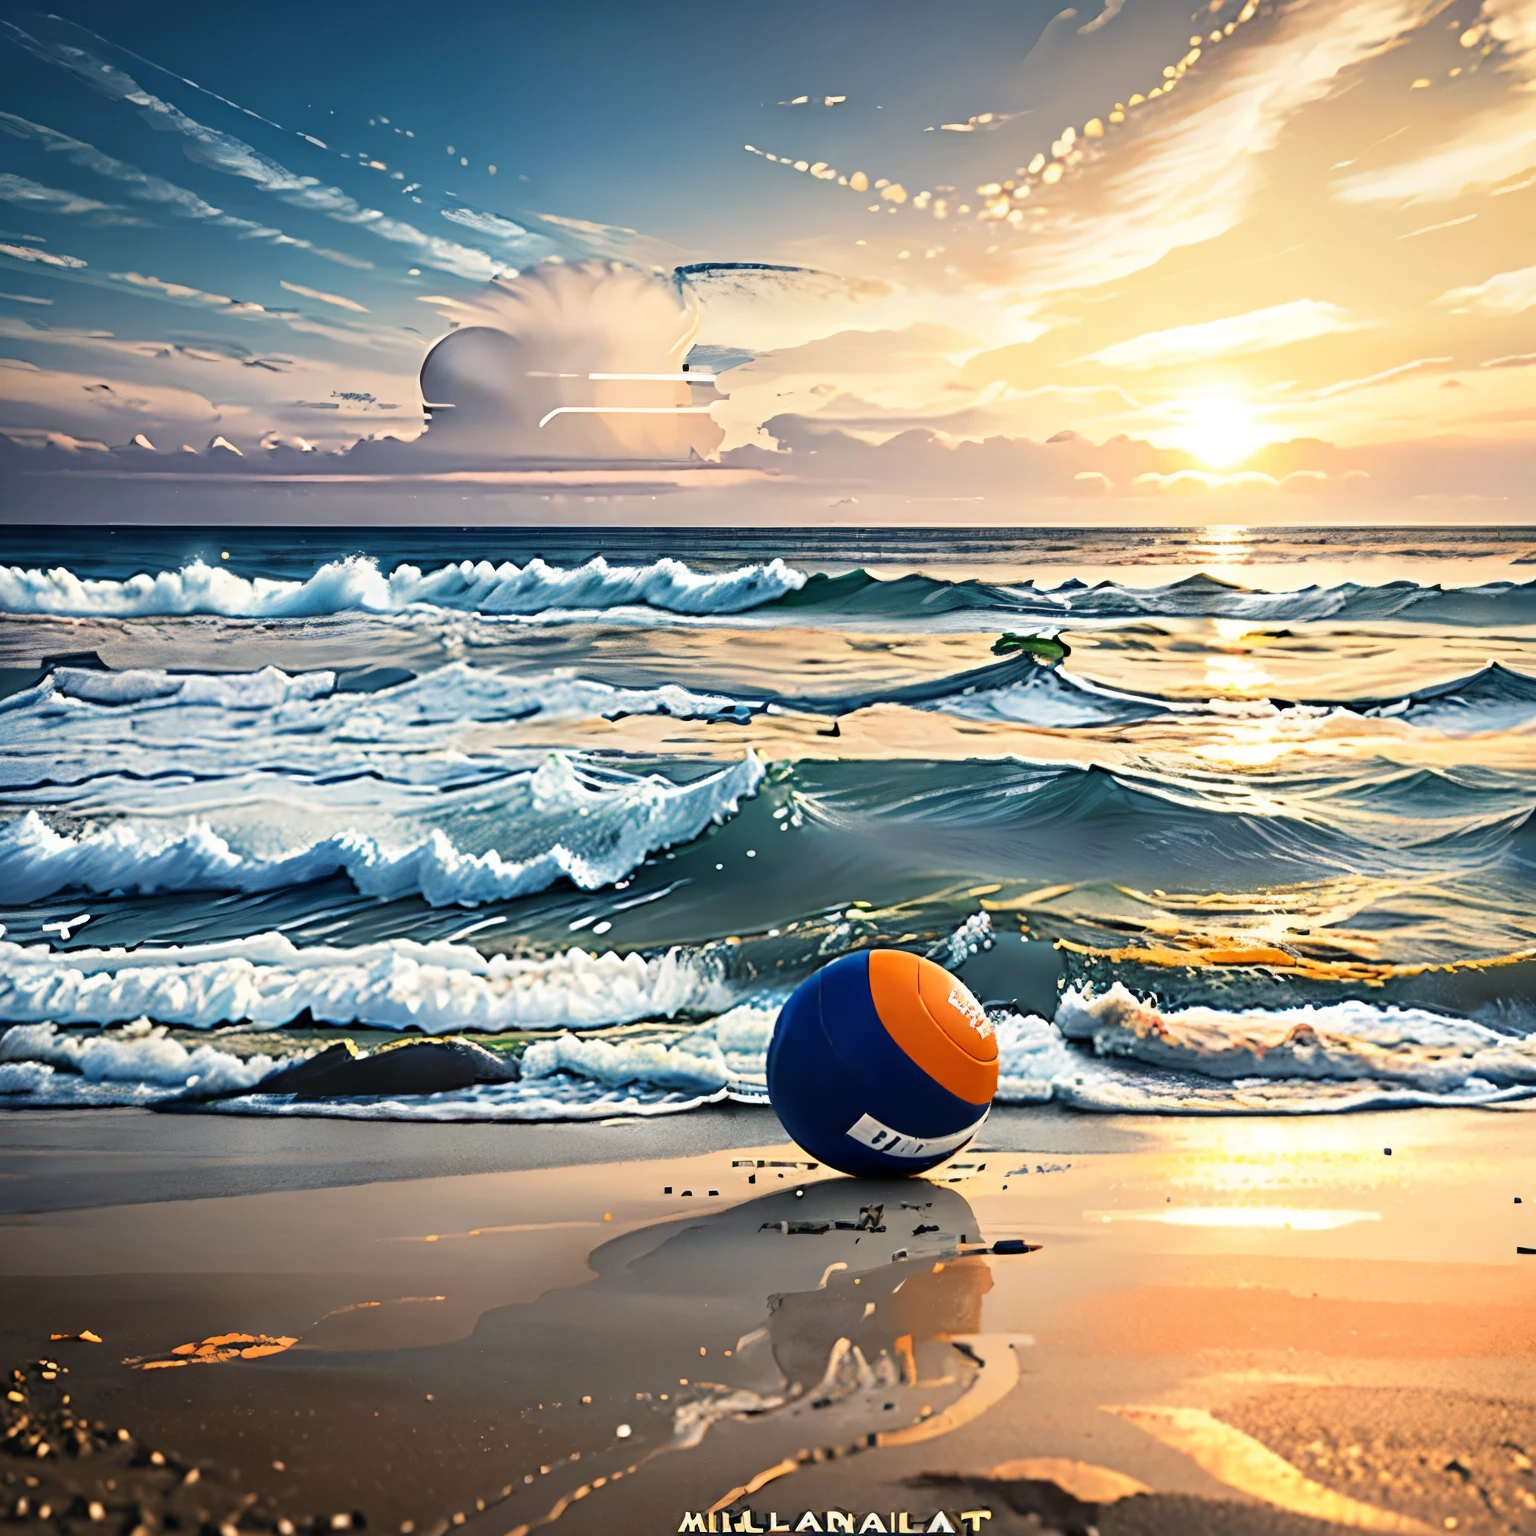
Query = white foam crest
x=1032 y=1058
x=1350 y=1040
x=438 y=988
x=559 y=1097
x=356 y=585
x=341 y=586
x=266 y=689
x=450 y=694
x=143 y=1057
x=137 y=736
x=623 y=825
x=1053 y=699
x=727 y=1052
x=688 y=1065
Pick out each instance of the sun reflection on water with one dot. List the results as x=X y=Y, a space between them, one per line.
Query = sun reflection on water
x=1277 y=1218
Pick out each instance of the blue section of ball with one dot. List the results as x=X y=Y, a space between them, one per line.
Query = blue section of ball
x=832 y=1061
x=907 y=1098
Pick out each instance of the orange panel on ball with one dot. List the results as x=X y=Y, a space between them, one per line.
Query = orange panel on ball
x=911 y=995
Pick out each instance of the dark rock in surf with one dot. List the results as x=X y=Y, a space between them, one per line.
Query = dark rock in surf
x=415 y=1067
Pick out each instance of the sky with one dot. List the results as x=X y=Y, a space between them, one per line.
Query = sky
x=1120 y=256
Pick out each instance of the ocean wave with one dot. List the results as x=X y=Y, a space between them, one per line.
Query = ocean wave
x=137 y=1065
x=437 y=988
x=1156 y=824
x=858 y=595
x=357 y=585
x=1022 y=691
x=1018 y=691
x=1349 y=1041
x=1108 y=1051
x=728 y=1052
x=1494 y=698
x=77 y=726
x=594 y=835
x=451 y=694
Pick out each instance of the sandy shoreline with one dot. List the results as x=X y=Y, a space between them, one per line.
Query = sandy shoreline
x=451 y=1309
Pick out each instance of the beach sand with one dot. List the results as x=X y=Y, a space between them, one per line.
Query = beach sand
x=1244 y=1325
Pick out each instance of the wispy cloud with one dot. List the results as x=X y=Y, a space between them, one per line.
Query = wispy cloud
x=1259 y=330
x=1345 y=386
x=324 y=298
x=144 y=187
x=1505 y=293
x=232 y=155
x=1430 y=229
x=41 y=258
x=1493 y=145
x=33 y=194
x=1194 y=174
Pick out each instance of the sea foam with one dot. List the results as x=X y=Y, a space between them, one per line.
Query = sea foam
x=438 y=988
x=357 y=585
x=593 y=835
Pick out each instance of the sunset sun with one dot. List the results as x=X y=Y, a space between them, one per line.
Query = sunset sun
x=1218 y=429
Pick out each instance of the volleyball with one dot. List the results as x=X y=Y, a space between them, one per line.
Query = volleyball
x=882 y=1064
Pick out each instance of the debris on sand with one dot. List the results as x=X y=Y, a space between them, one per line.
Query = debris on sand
x=79 y=1469
x=217 y=1349
x=871 y=1219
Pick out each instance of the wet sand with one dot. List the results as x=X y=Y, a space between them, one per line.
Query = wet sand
x=1244 y=1326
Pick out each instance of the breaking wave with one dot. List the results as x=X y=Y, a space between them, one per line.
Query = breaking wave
x=1110 y=1052
x=358 y=585
x=75 y=724
x=593 y=834
x=860 y=595
x=440 y=988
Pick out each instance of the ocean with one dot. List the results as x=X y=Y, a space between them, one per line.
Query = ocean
x=1213 y=821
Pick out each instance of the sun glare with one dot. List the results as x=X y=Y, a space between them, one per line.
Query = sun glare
x=1218 y=429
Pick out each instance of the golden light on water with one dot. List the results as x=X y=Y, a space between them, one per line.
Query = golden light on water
x=1218 y=429
x=1273 y=1218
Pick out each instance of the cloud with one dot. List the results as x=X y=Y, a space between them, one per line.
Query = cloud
x=146 y=188
x=324 y=298
x=1375 y=477
x=580 y=361
x=528 y=247
x=1345 y=386
x=74 y=269
x=760 y=308
x=1490 y=150
x=1505 y=293
x=260 y=388
x=224 y=152
x=33 y=194
x=1259 y=330
x=1112 y=8
x=43 y=258
x=1194 y=173
x=84 y=403
x=1492 y=146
